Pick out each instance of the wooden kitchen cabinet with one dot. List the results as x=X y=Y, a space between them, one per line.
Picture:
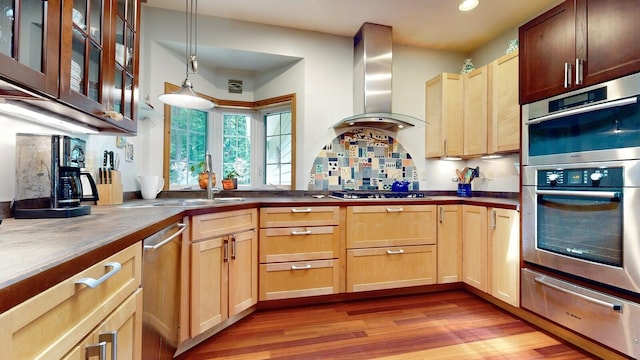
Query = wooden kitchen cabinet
x=99 y=58
x=121 y=332
x=224 y=267
x=390 y=246
x=475 y=112
x=474 y=247
x=300 y=251
x=578 y=43
x=491 y=251
x=29 y=54
x=504 y=109
x=449 y=243
x=444 y=109
x=504 y=255
x=53 y=323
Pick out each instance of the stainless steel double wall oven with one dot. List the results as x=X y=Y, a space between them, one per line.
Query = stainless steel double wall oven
x=581 y=210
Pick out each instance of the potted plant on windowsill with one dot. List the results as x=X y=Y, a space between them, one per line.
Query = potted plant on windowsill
x=230 y=181
x=203 y=176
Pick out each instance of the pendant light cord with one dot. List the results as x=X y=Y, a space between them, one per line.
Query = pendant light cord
x=191 y=21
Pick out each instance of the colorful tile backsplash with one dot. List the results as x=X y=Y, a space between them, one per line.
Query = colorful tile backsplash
x=362 y=159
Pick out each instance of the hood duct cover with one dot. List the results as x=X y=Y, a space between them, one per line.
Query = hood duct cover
x=372 y=82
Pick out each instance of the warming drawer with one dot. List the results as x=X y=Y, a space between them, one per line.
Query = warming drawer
x=606 y=319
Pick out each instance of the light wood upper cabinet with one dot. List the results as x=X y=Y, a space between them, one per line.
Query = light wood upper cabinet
x=449 y=243
x=475 y=112
x=504 y=255
x=443 y=109
x=504 y=109
x=474 y=247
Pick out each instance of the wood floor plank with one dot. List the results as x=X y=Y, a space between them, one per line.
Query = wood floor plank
x=446 y=325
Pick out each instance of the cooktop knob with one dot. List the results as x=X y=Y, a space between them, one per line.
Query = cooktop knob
x=553 y=178
x=595 y=179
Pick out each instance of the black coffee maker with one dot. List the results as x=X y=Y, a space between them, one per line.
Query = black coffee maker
x=49 y=177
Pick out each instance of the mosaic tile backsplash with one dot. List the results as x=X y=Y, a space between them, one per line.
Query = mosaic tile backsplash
x=362 y=159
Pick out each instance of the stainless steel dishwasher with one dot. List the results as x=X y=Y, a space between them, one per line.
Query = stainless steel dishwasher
x=161 y=292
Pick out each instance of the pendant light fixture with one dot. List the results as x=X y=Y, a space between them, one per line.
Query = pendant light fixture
x=185 y=96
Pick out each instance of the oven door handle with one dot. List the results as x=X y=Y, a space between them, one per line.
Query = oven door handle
x=600 y=106
x=542 y=281
x=584 y=194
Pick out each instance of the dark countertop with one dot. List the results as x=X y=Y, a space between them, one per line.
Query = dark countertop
x=39 y=253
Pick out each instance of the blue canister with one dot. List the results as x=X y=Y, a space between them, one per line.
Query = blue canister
x=464 y=190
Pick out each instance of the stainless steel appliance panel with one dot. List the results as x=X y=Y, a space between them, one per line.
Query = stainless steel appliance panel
x=597 y=123
x=161 y=292
x=606 y=319
x=627 y=275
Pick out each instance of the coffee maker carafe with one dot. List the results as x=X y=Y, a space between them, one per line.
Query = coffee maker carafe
x=48 y=177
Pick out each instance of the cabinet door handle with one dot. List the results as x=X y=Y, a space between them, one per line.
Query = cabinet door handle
x=307 y=210
x=92 y=283
x=233 y=248
x=395 y=252
x=110 y=337
x=579 y=74
x=394 y=210
x=295 y=267
x=445 y=147
x=493 y=219
x=225 y=250
x=441 y=215
x=308 y=232
x=99 y=350
x=567 y=75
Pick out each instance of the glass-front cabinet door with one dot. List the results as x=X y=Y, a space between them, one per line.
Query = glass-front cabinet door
x=29 y=44
x=125 y=66
x=82 y=53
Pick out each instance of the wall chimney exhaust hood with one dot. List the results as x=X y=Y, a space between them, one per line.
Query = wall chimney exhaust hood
x=372 y=82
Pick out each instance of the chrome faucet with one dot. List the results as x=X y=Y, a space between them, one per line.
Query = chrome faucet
x=209 y=169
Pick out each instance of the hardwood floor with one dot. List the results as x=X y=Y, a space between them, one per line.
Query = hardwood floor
x=446 y=325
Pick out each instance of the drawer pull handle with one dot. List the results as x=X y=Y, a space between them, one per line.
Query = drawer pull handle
x=395 y=252
x=93 y=283
x=307 y=210
x=99 y=350
x=308 y=232
x=295 y=267
x=392 y=210
x=542 y=281
x=110 y=337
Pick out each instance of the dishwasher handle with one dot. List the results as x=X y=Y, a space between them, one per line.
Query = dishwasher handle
x=157 y=246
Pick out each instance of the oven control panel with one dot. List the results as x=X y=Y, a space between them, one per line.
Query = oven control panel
x=581 y=177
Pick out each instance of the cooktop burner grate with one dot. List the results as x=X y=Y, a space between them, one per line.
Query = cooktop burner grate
x=376 y=195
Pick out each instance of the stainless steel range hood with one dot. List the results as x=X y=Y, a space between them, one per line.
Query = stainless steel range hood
x=372 y=82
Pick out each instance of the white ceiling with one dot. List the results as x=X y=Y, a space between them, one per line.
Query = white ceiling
x=434 y=24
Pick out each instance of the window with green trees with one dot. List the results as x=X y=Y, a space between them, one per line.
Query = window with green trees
x=188 y=145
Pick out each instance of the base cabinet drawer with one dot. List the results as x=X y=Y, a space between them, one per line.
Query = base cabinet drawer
x=299 y=243
x=299 y=279
x=50 y=324
x=393 y=267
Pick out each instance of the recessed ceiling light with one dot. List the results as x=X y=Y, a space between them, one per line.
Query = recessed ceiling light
x=467 y=5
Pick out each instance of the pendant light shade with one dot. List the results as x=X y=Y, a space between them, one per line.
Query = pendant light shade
x=185 y=97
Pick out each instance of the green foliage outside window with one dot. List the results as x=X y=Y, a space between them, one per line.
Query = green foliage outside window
x=188 y=145
x=236 y=147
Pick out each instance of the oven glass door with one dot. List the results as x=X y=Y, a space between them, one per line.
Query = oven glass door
x=606 y=129
x=587 y=225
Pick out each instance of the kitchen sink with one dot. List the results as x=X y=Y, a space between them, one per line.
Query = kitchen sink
x=183 y=202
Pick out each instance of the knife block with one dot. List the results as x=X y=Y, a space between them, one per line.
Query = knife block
x=111 y=194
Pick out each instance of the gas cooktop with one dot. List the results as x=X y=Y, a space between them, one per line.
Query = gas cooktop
x=376 y=195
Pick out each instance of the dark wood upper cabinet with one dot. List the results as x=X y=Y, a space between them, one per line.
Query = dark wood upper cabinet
x=578 y=43
x=29 y=45
x=75 y=58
